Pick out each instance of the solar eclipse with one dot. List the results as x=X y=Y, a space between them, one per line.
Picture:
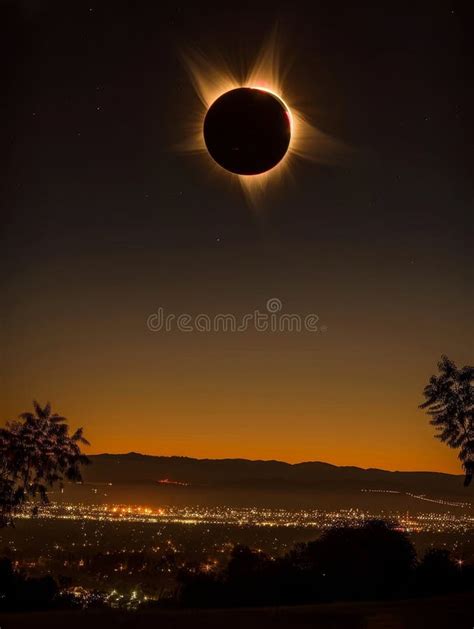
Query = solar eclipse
x=247 y=130
x=248 y=126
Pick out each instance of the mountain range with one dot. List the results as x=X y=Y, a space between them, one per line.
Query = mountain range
x=134 y=468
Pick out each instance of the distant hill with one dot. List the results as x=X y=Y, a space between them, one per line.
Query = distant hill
x=133 y=468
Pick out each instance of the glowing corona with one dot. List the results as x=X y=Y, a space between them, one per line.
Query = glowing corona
x=212 y=80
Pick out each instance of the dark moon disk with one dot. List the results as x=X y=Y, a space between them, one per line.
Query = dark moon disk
x=247 y=130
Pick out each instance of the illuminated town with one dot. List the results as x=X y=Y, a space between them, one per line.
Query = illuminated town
x=430 y=522
x=123 y=555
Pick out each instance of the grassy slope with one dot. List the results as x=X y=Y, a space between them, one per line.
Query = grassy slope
x=454 y=612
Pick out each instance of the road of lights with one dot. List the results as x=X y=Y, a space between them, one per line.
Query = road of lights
x=256 y=517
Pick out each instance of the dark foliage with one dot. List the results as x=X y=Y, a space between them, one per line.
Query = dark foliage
x=17 y=591
x=449 y=398
x=368 y=563
x=36 y=451
x=374 y=561
x=437 y=573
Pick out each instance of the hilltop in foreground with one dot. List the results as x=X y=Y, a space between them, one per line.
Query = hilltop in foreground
x=438 y=613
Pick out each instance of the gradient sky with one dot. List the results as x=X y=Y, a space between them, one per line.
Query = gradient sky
x=105 y=222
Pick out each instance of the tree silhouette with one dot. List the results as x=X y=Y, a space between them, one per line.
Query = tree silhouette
x=36 y=451
x=373 y=561
x=437 y=573
x=450 y=403
x=20 y=592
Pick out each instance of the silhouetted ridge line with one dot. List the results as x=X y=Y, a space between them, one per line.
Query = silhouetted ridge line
x=134 y=467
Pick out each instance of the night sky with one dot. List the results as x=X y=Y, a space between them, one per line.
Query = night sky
x=105 y=221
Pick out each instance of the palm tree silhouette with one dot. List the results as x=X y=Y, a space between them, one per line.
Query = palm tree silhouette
x=450 y=403
x=36 y=451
